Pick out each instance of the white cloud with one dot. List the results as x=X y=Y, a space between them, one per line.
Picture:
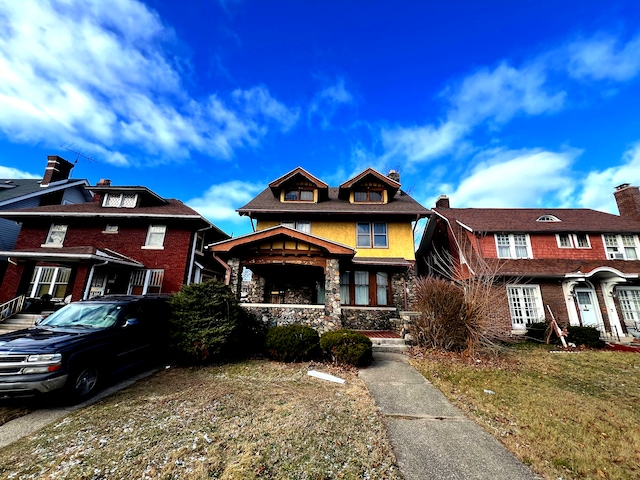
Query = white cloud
x=97 y=73
x=417 y=144
x=598 y=186
x=602 y=57
x=11 y=173
x=219 y=202
x=326 y=103
x=517 y=178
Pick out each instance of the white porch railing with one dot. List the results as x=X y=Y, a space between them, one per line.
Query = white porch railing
x=11 y=307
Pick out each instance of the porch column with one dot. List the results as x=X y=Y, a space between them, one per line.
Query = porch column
x=236 y=276
x=332 y=310
x=607 y=287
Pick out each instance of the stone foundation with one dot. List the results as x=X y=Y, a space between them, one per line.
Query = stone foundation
x=368 y=318
x=275 y=315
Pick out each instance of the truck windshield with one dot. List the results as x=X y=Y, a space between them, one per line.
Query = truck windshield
x=84 y=315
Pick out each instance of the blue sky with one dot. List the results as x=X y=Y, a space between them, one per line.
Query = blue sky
x=494 y=103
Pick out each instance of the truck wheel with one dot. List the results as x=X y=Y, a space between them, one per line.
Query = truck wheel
x=83 y=382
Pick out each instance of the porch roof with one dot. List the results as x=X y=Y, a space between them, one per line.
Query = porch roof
x=394 y=262
x=328 y=246
x=74 y=254
x=561 y=268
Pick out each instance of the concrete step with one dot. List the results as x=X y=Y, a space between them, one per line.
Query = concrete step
x=389 y=345
x=18 y=322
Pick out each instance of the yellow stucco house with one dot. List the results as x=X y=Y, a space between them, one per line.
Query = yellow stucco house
x=329 y=257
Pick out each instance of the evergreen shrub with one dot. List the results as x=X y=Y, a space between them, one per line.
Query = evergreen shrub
x=538 y=331
x=587 y=336
x=347 y=346
x=292 y=343
x=208 y=324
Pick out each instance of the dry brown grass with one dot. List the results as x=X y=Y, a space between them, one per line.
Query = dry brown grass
x=254 y=419
x=567 y=415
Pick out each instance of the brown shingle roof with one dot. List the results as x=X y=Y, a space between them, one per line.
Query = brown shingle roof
x=265 y=202
x=560 y=267
x=572 y=220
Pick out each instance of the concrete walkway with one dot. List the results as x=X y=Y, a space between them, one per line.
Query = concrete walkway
x=431 y=438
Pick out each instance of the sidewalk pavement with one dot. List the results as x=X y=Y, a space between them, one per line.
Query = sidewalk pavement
x=431 y=438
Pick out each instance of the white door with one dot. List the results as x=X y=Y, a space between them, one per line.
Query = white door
x=588 y=306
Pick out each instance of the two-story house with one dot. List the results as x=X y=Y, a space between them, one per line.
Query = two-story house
x=581 y=265
x=55 y=188
x=326 y=256
x=128 y=240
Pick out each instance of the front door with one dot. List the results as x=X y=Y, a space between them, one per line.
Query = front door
x=588 y=306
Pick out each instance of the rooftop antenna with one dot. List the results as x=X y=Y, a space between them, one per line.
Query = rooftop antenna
x=74 y=148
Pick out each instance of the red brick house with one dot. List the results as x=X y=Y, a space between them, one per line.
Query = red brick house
x=128 y=240
x=582 y=264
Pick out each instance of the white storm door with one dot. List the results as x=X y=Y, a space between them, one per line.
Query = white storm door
x=588 y=306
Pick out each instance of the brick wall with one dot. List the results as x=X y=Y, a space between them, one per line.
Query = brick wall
x=546 y=246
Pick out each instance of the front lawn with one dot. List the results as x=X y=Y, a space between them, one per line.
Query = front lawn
x=567 y=415
x=254 y=419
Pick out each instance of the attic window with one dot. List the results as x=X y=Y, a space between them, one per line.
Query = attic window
x=368 y=196
x=548 y=218
x=298 y=195
x=122 y=200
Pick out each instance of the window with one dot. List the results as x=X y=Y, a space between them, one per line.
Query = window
x=49 y=281
x=56 y=235
x=124 y=200
x=298 y=195
x=155 y=236
x=630 y=305
x=621 y=247
x=372 y=234
x=364 y=288
x=525 y=305
x=304 y=227
x=110 y=229
x=548 y=218
x=144 y=282
x=368 y=196
x=573 y=240
x=514 y=245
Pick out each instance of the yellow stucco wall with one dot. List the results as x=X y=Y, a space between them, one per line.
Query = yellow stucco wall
x=400 y=237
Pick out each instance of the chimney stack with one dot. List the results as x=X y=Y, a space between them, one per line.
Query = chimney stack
x=102 y=183
x=628 y=200
x=57 y=169
x=394 y=175
x=442 y=202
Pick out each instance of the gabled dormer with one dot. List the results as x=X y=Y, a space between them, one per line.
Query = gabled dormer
x=111 y=196
x=369 y=187
x=299 y=186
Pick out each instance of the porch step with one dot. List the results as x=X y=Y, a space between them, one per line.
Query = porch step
x=386 y=341
x=18 y=322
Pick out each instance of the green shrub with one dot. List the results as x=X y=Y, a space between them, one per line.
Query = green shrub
x=292 y=343
x=538 y=332
x=347 y=346
x=587 y=336
x=208 y=325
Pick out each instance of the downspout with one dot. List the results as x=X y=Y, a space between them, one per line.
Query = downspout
x=90 y=279
x=192 y=257
x=227 y=275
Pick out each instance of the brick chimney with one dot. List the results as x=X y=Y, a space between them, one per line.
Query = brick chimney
x=104 y=182
x=628 y=200
x=57 y=169
x=442 y=202
x=394 y=175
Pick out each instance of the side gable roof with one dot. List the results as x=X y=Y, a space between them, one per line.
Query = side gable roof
x=15 y=190
x=523 y=220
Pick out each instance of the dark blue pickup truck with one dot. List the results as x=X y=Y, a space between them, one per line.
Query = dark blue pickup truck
x=76 y=347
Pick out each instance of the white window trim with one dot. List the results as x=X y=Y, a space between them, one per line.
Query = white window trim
x=573 y=240
x=107 y=196
x=295 y=224
x=146 y=245
x=147 y=280
x=620 y=246
x=512 y=246
x=539 y=305
x=48 y=243
x=52 y=284
x=629 y=322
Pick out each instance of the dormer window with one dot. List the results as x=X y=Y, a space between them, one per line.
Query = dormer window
x=298 y=195
x=548 y=218
x=120 y=200
x=368 y=196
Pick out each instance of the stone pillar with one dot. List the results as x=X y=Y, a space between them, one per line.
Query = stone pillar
x=332 y=310
x=236 y=276
x=256 y=289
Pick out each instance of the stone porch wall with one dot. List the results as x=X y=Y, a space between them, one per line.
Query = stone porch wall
x=369 y=318
x=275 y=315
